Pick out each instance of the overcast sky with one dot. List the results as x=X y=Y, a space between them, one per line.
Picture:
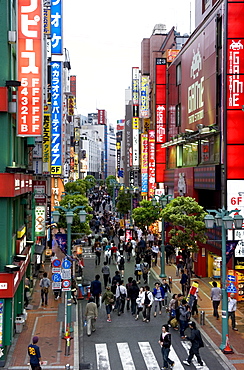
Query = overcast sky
x=104 y=43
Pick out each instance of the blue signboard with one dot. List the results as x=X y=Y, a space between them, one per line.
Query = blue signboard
x=56 y=277
x=231 y=288
x=66 y=264
x=56 y=263
x=56 y=27
x=231 y=278
x=56 y=118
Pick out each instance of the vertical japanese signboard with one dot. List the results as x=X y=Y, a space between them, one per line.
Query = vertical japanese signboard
x=56 y=118
x=135 y=117
x=144 y=95
x=46 y=140
x=30 y=68
x=235 y=92
x=160 y=118
x=144 y=164
x=56 y=27
x=151 y=163
x=40 y=216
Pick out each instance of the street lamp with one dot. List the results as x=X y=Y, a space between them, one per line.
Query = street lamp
x=222 y=218
x=69 y=213
x=162 y=200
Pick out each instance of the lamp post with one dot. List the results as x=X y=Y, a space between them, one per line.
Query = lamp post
x=69 y=212
x=222 y=218
x=162 y=200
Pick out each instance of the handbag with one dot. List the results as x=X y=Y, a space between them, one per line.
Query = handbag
x=139 y=273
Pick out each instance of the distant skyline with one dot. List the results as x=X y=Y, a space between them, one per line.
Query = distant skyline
x=104 y=43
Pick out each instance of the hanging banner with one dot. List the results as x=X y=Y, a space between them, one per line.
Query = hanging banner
x=40 y=217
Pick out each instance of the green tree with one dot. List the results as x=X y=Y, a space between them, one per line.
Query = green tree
x=78 y=186
x=90 y=181
x=146 y=214
x=187 y=217
x=109 y=184
x=71 y=201
x=123 y=203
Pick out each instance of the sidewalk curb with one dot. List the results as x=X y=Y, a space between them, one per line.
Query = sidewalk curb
x=225 y=360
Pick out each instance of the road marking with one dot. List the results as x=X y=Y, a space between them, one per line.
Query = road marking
x=102 y=357
x=173 y=356
x=148 y=355
x=125 y=356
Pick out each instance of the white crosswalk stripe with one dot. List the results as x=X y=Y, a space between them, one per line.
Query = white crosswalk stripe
x=187 y=346
x=148 y=356
x=103 y=362
x=102 y=357
x=125 y=356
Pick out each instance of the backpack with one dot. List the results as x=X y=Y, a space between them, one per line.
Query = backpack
x=145 y=267
x=177 y=313
x=200 y=341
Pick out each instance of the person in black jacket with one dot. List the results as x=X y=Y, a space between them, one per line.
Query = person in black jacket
x=165 y=343
x=196 y=343
x=133 y=292
x=96 y=289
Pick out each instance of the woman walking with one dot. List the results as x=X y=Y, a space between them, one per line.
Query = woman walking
x=165 y=343
x=158 y=293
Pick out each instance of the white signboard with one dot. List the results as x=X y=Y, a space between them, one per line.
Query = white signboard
x=235 y=196
x=66 y=274
x=56 y=285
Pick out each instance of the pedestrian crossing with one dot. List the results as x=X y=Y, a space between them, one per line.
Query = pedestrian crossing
x=150 y=360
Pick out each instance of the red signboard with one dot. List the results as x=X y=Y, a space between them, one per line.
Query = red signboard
x=13 y=184
x=235 y=90
x=30 y=68
x=101 y=116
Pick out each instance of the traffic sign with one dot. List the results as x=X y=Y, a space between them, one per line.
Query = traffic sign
x=231 y=278
x=66 y=274
x=56 y=277
x=56 y=263
x=56 y=269
x=66 y=285
x=66 y=264
x=56 y=286
x=231 y=288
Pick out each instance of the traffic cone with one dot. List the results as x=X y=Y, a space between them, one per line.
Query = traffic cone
x=88 y=292
x=80 y=293
x=227 y=349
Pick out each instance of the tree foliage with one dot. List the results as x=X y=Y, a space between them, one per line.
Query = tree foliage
x=187 y=217
x=90 y=182
x=146 y=214
x=78 y=186
x=123 y=203
x=70 y=201
x=109 y=185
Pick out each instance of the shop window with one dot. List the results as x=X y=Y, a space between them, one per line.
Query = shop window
x=179 y=155
x=210 y=150
x=172 y=157
x=190 y=155
x=205 y=5
x=178 y=74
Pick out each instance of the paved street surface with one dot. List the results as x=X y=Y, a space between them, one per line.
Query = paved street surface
x=124 y=343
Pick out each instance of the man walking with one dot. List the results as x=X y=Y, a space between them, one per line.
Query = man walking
x=96 y=289
x=147 y=301
x=91 y=315
x=44 y=284
x=196 y=343
x=35 y=354
x=232 y=305
x=106 y=273
x=216 y=298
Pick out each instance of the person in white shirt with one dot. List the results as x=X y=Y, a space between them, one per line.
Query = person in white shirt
x=155 y=251
x=147 y=302
x=121 y=295
x=232 y=306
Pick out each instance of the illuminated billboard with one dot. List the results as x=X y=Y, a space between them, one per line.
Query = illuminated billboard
x=56 y=27
x=56 y=117
x=135 y=117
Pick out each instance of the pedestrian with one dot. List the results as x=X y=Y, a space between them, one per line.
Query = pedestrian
x=155 y=251
x=167 y=290
x=179 y=263
x=196 y=343
x=150 y=239
x=44 y=284
x=91 y=316
x=165 y=343
x=35 y=354
x=106 y=273
x=128 y=285
x=216 y=298
x=121 y=265
x=147 y=302
x=158 y=294
x=169 y=252
x=96 y=289
x=121 y=295
x=139 y=302
x=194 y=308
x=172 y=308
x=184 y=317
x=108 y=299
x=138 y=271
x=183 y=282
x=98 y=251
x=128 y=249
x=132 y=293
x=232 y=306
x=145 y=270
x=74 y=290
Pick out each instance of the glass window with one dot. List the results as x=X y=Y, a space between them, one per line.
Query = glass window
x=178 y=115
x=179 y=155
x=210 y=150
x=190 y=154
x=178 y=74
x=172 y=157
